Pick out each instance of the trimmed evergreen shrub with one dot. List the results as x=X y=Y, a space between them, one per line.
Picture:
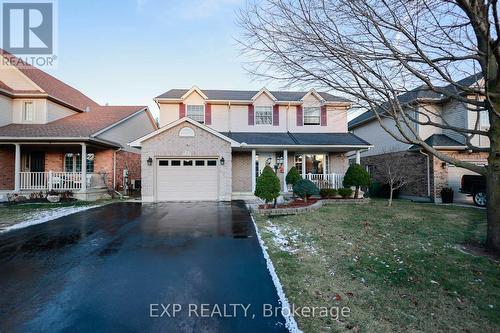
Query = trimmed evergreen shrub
x=305 y=188
x=356 y=176
x=345 y=192
x=268 y=185
x=328 y=193
x=293 y=176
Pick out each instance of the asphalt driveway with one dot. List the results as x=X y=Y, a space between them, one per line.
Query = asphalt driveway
x=126 y=267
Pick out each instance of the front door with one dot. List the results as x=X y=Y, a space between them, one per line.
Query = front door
x=37 y=162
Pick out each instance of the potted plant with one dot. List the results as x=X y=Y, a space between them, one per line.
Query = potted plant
x=447 y=195
x=53 y=196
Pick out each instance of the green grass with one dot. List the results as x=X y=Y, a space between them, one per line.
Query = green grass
x=13 y=214
x=401 y=265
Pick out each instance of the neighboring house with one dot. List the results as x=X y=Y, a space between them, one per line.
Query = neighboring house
x=46 y=127
x=429 y=173
x=212 y=144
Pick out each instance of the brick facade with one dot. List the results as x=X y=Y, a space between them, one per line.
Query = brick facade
x=242 y=172
x=7 y=167
x=54 y=161
x=129 y=161
x=414 y=165
x=416 y=168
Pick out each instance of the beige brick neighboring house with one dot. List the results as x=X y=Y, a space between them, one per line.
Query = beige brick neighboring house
x=429 y=174
x=213 y=144
x=46 y=127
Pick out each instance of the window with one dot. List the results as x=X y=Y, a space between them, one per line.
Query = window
x=211 y=163
x=73 y=162
x=28 y=111
x=188 y=163
x=175 y=163
x=263 y=115
x=200 y=163
x=315 y=164
x=196 y=112
x=163 y=163
x=484 y=120
x=312 y=115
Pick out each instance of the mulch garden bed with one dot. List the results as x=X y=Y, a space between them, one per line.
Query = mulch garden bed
x=291 y=204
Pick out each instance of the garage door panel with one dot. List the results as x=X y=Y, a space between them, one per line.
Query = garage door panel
x=186 y=183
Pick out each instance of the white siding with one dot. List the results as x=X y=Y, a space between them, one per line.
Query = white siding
x=5 y=111
x=432 y=111
x=129 y=130
x=56 y=111
x=377 y=136
x=477 y=140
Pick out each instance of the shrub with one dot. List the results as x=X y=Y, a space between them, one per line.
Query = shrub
x=356 y=176
x=375 y=189
x=293 y=176
x=345 y=192
x=328 y=193
x=268 y=185
x=305 y=188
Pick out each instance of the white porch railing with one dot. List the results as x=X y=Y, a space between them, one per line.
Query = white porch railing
x=61 y=181
x=331 y=180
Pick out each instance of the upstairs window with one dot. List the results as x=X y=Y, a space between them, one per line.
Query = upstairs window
x=312 y=116
x=28 y=111
x=484 y=120
x=196 y=112
x=263 y=115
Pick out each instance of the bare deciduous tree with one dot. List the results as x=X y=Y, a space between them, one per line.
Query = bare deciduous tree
x=392 y=171
x=375 y=51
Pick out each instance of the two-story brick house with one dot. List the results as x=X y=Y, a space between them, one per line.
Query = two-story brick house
x=212 y=144
x=428 y=173
x=53 y=137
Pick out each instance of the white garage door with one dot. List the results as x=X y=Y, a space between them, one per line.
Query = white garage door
x=186 y=180
x=455 y=181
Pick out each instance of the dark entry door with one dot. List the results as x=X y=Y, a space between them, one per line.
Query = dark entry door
x=37 y=162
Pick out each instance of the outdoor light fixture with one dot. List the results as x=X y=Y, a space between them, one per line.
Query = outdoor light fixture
x=222 y=161
x=150 y=161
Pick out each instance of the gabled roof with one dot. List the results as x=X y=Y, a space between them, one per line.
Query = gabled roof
x=422 y=93
x=79 y=125
x=54 y=88
x=193 y=89
x=264 y=91
x=247 y=95
x=441 y=141
x=138 y=142
x=314 y=93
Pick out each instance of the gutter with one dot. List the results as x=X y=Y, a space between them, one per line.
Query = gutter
x=428 y=173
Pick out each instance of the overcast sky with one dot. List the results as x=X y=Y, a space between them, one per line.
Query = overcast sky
x=129 y=51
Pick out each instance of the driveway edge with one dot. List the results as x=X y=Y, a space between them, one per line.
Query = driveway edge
x=291 y=324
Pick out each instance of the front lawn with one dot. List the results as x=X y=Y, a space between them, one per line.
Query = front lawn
x=397 y=269
x=11 y=215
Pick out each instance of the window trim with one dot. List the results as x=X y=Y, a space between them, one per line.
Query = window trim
x=204 y=112
x=75 y=164
x=255 y=115
x=24 y=113
x=304 y=115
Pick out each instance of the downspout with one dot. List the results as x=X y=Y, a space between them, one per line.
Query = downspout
x=428 y=173
x=287 y=115
x=114 y=173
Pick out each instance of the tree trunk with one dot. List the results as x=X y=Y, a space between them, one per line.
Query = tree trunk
x=356 y=192
x=389 y=204
x=493 y=186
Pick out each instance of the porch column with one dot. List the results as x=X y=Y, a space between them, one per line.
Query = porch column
x=358 y=157
x=285 y=165
x=254 y=155
x=304 y=166
x=17 y=168
x=84 y=167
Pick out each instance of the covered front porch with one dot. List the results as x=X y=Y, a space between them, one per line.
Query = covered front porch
x=78 y=167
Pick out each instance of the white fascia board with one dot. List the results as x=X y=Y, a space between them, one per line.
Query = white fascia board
x=193 y=89
x=264 y=91
x=119 y=122
x=243 y=145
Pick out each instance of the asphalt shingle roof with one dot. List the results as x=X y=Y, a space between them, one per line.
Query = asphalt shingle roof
x=246 y=95
x=319 y=139
x=439 y=140
x=420 y=93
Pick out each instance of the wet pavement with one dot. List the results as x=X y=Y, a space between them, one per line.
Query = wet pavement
x=110 y=268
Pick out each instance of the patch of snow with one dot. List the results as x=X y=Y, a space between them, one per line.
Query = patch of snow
x=291 y=324
x=46 y=216
x=281 y=240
